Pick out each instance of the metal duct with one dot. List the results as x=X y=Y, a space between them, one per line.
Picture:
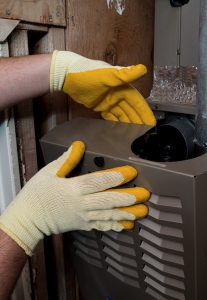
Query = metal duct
x=201 y=121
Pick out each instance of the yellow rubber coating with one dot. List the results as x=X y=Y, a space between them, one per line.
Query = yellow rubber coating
x=128 y=172
x=94 y=83
x=120 y=114
x=140 y=193
x=75 y=156
x=139 y=211
x=128 y=225
x=130 y=112
x=109 y=116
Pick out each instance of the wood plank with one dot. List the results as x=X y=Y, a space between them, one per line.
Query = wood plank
x=43 y=12
x=28 y=161
x=7 y=26
x=50 y=110
x=8 y=139
x=100 y=32
x=33 y=27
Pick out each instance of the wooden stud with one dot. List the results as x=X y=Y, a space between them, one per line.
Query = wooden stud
x=7 y=26
x=28 y=159
x=51 y=110
x=43 y=12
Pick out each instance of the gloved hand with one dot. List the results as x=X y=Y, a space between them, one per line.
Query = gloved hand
x=50 y=203
x=102 y=87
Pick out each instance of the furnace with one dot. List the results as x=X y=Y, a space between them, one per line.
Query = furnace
x=164 y=257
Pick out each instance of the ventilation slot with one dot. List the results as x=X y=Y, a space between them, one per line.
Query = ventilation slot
x=87 y=248
x=120 y=258
x=169 y=257
x=163 y=267
x=118 y=247
x=171 y=202
x=165 y=216
x=88 y=259
x=85 y=240
x=161 y=229
x=121 y=237
x=122 y=278
x=122 y=269
x=164 y=279
x=163 y=243
x=165 y=290
x=154 y=294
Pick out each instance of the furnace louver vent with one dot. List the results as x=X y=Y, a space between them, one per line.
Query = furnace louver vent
x=164 y=279
x=164 y=256
x=88 y=259
x=164 y=290
x=163 y=267
x=161 y=238
x=86 y=240
x=155 y=294
x=121 y=268
x=162 y=229
x=86 y=247
x=120 y=237
x=161 y=242
x=118 y=247
x=88 y=251
x=122 y=278
x=120 y=257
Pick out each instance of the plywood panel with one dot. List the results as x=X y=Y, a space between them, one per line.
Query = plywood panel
x=37 y=11
x=99 y=31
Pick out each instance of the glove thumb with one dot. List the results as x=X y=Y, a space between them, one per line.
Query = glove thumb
x=70 y=159
x=132 y=73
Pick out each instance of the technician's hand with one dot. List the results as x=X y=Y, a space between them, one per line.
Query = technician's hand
x=51 y=204
x=102 y=87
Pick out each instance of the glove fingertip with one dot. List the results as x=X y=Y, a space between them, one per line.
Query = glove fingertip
x=138 y=210
x=137 y=71
x=128 y=173
x=128 y=225
x=109 y=116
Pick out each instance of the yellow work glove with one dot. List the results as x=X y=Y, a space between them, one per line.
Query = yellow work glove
x=102 y=87
x=50 y=203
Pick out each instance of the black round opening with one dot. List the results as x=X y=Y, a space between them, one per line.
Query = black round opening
x=167 y=142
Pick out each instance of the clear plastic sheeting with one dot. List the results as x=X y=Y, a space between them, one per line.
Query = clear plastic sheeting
x=174 y=85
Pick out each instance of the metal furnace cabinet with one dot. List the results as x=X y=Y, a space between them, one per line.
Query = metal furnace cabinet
x=165 y=256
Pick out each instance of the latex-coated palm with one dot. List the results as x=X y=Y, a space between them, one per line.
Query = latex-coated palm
x=102 y=87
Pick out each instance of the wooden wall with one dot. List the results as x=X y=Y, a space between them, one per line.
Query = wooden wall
x=44 y=12
x=100 y=32
x=118 y=35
